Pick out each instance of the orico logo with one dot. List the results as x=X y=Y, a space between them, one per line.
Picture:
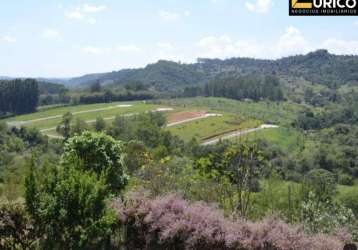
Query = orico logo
x=323 y=7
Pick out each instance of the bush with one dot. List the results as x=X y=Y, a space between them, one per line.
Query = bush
x=69 y=209
x=325 y=217
x=346 y=180
x=349 y=198
x=16 y=230
x=101 y=154
x=322 y=183
x=172 y=223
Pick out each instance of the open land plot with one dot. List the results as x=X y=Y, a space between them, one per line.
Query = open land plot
x=211 y=126
x=184 y=115
x=287 y=139
x=175 y=119
x=203 y=118
x=237 y=133
x=51 y=118
x=281 y=113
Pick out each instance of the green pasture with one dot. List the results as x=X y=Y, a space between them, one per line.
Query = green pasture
x=280 y=113
x=235 y=115
x=287 y=139
x=212 y=126
x=52 y=117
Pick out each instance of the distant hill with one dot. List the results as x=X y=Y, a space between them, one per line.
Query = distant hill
x=319 y=67
x=163 y=75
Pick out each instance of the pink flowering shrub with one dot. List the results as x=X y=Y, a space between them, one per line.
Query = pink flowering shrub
x=173 y=223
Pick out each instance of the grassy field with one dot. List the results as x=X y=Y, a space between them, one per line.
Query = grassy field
x=235 y=115
x=288 y=139
x=212 y=126
x=112 y=107
x=52 y=117
x=282 y=113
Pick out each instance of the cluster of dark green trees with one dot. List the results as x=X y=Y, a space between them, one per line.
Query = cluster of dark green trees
x=110 y=96
x=18 y=96
x=251 y=87
x=319 y=67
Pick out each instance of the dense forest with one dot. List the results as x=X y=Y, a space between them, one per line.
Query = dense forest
x=18 y=96
x=253 y=87
x=319 y=67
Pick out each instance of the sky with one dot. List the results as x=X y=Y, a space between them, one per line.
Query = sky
x=48 y=38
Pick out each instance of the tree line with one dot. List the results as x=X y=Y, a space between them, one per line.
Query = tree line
x=19 y=96
x=243 y=87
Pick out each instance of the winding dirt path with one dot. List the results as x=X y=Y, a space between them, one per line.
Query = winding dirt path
x=106 y=119
x=19 y=123
x=237 y=134
x=203 y=116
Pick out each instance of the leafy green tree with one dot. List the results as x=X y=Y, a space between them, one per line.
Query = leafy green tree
x=322 y=183
x=31 y=192
x=19 y=96
x=65 y=127
x=78 y=127
x=100 y=154
x=96 y=87
x=70 y=209
x=136 y=156
x=241 y=166
x=69 y=206
x=325 y=216
x=100 y=124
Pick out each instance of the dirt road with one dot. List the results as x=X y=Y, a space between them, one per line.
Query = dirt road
x=237 y=134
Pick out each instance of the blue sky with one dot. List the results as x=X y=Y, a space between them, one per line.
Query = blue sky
x=69 y=38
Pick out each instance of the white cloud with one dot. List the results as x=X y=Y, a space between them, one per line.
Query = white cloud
x=50 y=34
x=171 y=16
x=292 y=42
x=93 y=8
x=91 y=20
x=93 y=50
x=85 y=12
x=8 y=39
x=127 y=49
x=259 y=6
x=165 y=45
x=75 y=14
x=168 y=16
x=341 y=47
x=225 y=47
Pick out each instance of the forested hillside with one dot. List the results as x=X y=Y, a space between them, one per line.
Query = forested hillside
x=319 y=67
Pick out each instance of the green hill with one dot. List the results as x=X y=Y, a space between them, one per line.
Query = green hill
x=319 y=67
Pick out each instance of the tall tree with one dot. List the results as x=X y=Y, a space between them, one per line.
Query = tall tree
x=19 y=96
x=96 y=87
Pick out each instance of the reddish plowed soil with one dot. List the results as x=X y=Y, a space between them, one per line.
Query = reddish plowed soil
x=185 y=115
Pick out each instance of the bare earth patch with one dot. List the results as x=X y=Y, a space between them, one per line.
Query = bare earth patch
x=188 y=116
x=185 y=115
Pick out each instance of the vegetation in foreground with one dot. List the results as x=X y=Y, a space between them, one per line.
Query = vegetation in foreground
x=87 y=202
x=294 y=186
